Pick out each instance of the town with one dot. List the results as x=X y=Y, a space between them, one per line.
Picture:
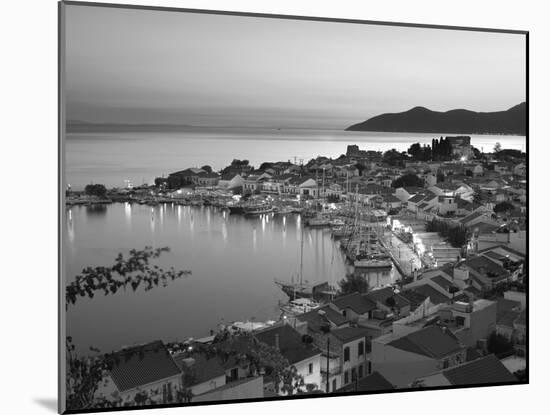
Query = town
x=451 y=219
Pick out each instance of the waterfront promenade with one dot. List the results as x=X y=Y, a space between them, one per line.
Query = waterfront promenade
x=403 y=256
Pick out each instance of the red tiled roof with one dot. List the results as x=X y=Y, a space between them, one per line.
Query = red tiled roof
x=430 y=341
x=202 y=368
x=315 y=320
x=291 y=345
x=348 y=334
x=141 y=365
x=488 y=369
x=373 y=382
x=358 y=303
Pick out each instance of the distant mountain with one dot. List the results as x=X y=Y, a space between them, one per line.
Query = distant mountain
x=79 y=126
x=423 y=120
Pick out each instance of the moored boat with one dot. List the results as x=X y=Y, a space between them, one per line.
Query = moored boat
x=258 y=209
x=318 y=222
x=372 y=261
x=299 y=306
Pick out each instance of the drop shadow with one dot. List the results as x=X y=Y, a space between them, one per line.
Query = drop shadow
x=48 y=403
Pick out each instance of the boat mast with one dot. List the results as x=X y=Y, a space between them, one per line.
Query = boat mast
x=357 y=221
x=301 y=257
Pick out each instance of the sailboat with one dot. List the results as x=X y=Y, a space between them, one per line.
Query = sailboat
x=303 y=289
x=373 y=257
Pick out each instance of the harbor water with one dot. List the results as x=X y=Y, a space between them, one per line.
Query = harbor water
x=234 y=261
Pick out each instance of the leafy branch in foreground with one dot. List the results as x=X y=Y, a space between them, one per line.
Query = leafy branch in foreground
x=133 y=271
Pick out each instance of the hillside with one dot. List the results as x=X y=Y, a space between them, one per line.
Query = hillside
x=459 y=121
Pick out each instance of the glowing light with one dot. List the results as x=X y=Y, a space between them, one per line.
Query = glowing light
x=463 y=158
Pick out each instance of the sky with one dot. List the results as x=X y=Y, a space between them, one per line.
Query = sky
x=143 y=66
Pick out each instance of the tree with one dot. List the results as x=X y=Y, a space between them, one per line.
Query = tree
x=497 y=148
x=161 y=181
x=353 y=283
x=98 y=190
x=408 y=180
x=503 y=207
x=266 y=165
x=207 y=168
x=84 y=373
x=394 y=157
x=498 y=344
x=126 y=272
x=457 y=235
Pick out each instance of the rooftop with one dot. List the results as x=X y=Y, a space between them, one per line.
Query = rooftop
x=488 y=369
x=358 y=303
x=348 y=334
x=431 y=341
x=435 y=296
x=373 y=382
x=201 y=368
x=291 y=345
x=141 y=365
x=485 y=266
x=316 y=320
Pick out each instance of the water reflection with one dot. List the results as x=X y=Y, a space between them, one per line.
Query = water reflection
x=96 y=210
x=128 y=212
x=224 y=232
x=254 y=241
x=70 y=225
x=232 y=269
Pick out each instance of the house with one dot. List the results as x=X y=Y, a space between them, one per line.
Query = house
x=439 y=284
x=482 y=371
x=511 y=319
x=389 y=302
x=422 y=201
x=345 y=357
x=354 y=346
x=183 y=178
x=470 y=321
x=296 y=348
x=447 y=205
x=201 y=373
x=390 y=202
x=301 y=185
x=485 y=274
x=474 y=170
x=253 y=182
x=430 y=179
x=478 y=216
x=318 y=320
x=405 y=193
x=508 y=258
x=403 y=358
x=353 y=306
x=206 y=179
x=145 y=368
x=230 y=181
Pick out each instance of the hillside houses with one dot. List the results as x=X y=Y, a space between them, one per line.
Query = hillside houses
x=402 y=358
